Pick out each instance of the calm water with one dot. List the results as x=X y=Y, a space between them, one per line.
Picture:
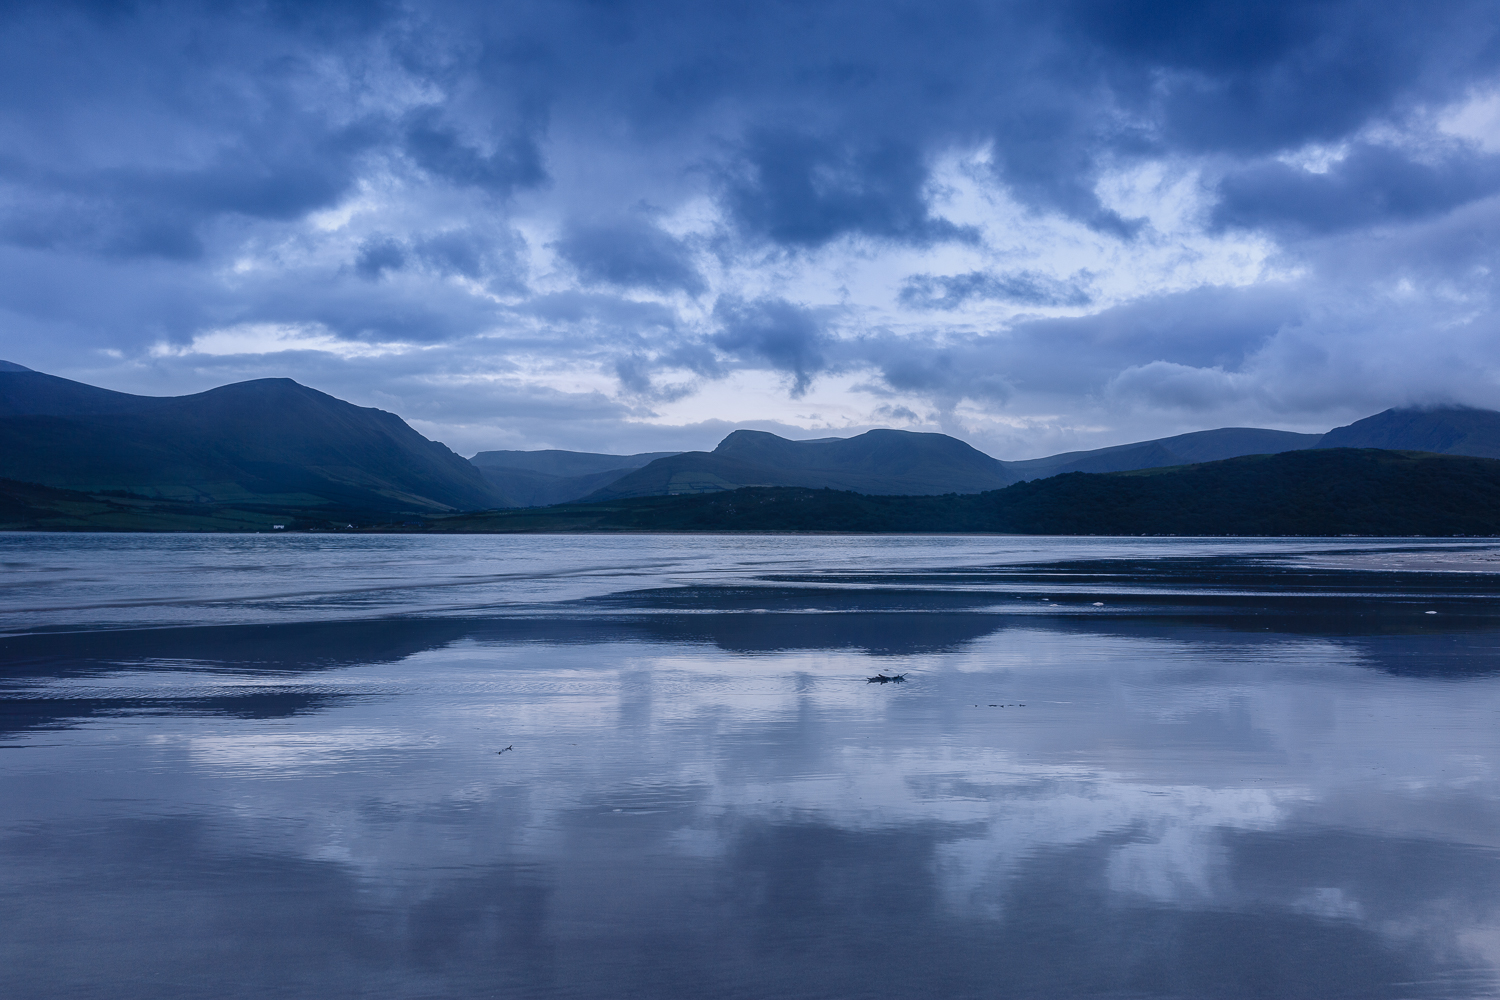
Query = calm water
x=266 y=766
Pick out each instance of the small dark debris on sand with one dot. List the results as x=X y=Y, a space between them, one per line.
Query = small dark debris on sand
x=883 y=679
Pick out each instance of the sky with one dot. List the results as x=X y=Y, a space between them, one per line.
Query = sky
x=625 y=227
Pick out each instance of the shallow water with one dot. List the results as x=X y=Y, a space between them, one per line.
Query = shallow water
x=272 y=766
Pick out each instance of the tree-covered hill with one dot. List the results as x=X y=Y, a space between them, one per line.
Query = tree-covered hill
x=1321 y=492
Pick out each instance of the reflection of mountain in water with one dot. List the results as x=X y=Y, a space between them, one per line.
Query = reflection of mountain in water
x=1463 y=641
x=890 y=633
x=21 y=714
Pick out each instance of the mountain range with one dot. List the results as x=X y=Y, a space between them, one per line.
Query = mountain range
x=893 y=463
x=249 y=448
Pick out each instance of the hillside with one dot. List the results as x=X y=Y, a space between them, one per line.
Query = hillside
x=1304 y=492
x=888 y=462
x=27 y=393
x=31 y=507
x=540 y=478
x=1447 y=431
x=1183 y=449
x=268 y=441
x=877 y=462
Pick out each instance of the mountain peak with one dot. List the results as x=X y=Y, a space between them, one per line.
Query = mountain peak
x=1451 y=430
x=879 y=461
x=11 y=366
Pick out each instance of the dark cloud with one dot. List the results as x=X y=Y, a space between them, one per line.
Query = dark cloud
x=51 y=221
x=1115 y=82
x=162 y=211
x=630 y=253
x=802 y=191
x=137 y=129
x=281 y=172
x=636 y=378
x=490 y=258
x=379 y=254
x=1248 y=77
x=514 y=163
x=1048 y=150
x=926 y=291
x=1370 y=185
x=368 y=169
x=831 y=114
x=785 y=336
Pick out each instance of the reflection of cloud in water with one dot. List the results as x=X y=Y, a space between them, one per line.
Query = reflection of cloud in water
x=1217 y=800
x=293 y=755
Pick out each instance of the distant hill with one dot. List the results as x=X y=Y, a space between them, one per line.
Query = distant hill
x=888 y=462
x=1184 y=449
x=268 y=441
x=1447 y=431
x=876 y=462
x=1304 y=492
x=540 y=478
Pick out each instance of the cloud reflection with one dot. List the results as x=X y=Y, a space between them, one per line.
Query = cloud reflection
x=1216 y=797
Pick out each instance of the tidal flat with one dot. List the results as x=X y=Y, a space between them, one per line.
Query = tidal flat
x=655 y=766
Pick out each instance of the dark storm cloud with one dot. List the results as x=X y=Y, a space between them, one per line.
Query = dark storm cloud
x=133 y=129
x=1048 y=151
x=830 y=113
x=439 y=149
x=802 y=191
x=369 y=168
x=1248 y=77
x=630 y=253
x=785 y=336
x=1369 y=186
x=1241 y=78
x=141 y=211
x=490 y=256
x=379 y=254
x=926 y=291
